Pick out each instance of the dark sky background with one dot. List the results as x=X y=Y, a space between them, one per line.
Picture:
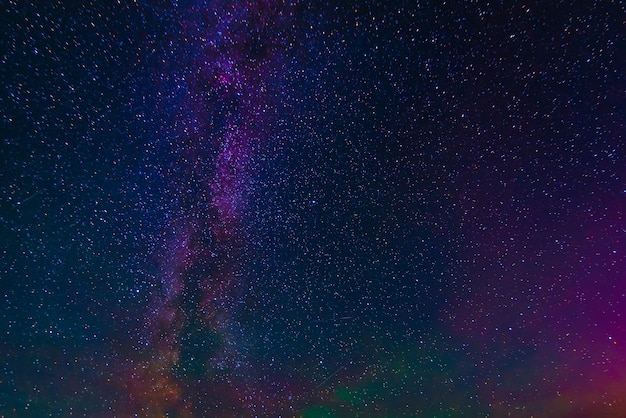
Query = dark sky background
x=342 y=209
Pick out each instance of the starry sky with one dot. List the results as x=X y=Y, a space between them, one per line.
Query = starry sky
x=266 y=208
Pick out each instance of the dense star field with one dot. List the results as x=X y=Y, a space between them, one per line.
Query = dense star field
x=267 y=208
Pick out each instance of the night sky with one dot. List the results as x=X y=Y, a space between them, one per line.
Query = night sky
x=266 y=208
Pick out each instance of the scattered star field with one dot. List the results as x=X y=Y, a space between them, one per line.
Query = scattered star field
x=262 y=208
